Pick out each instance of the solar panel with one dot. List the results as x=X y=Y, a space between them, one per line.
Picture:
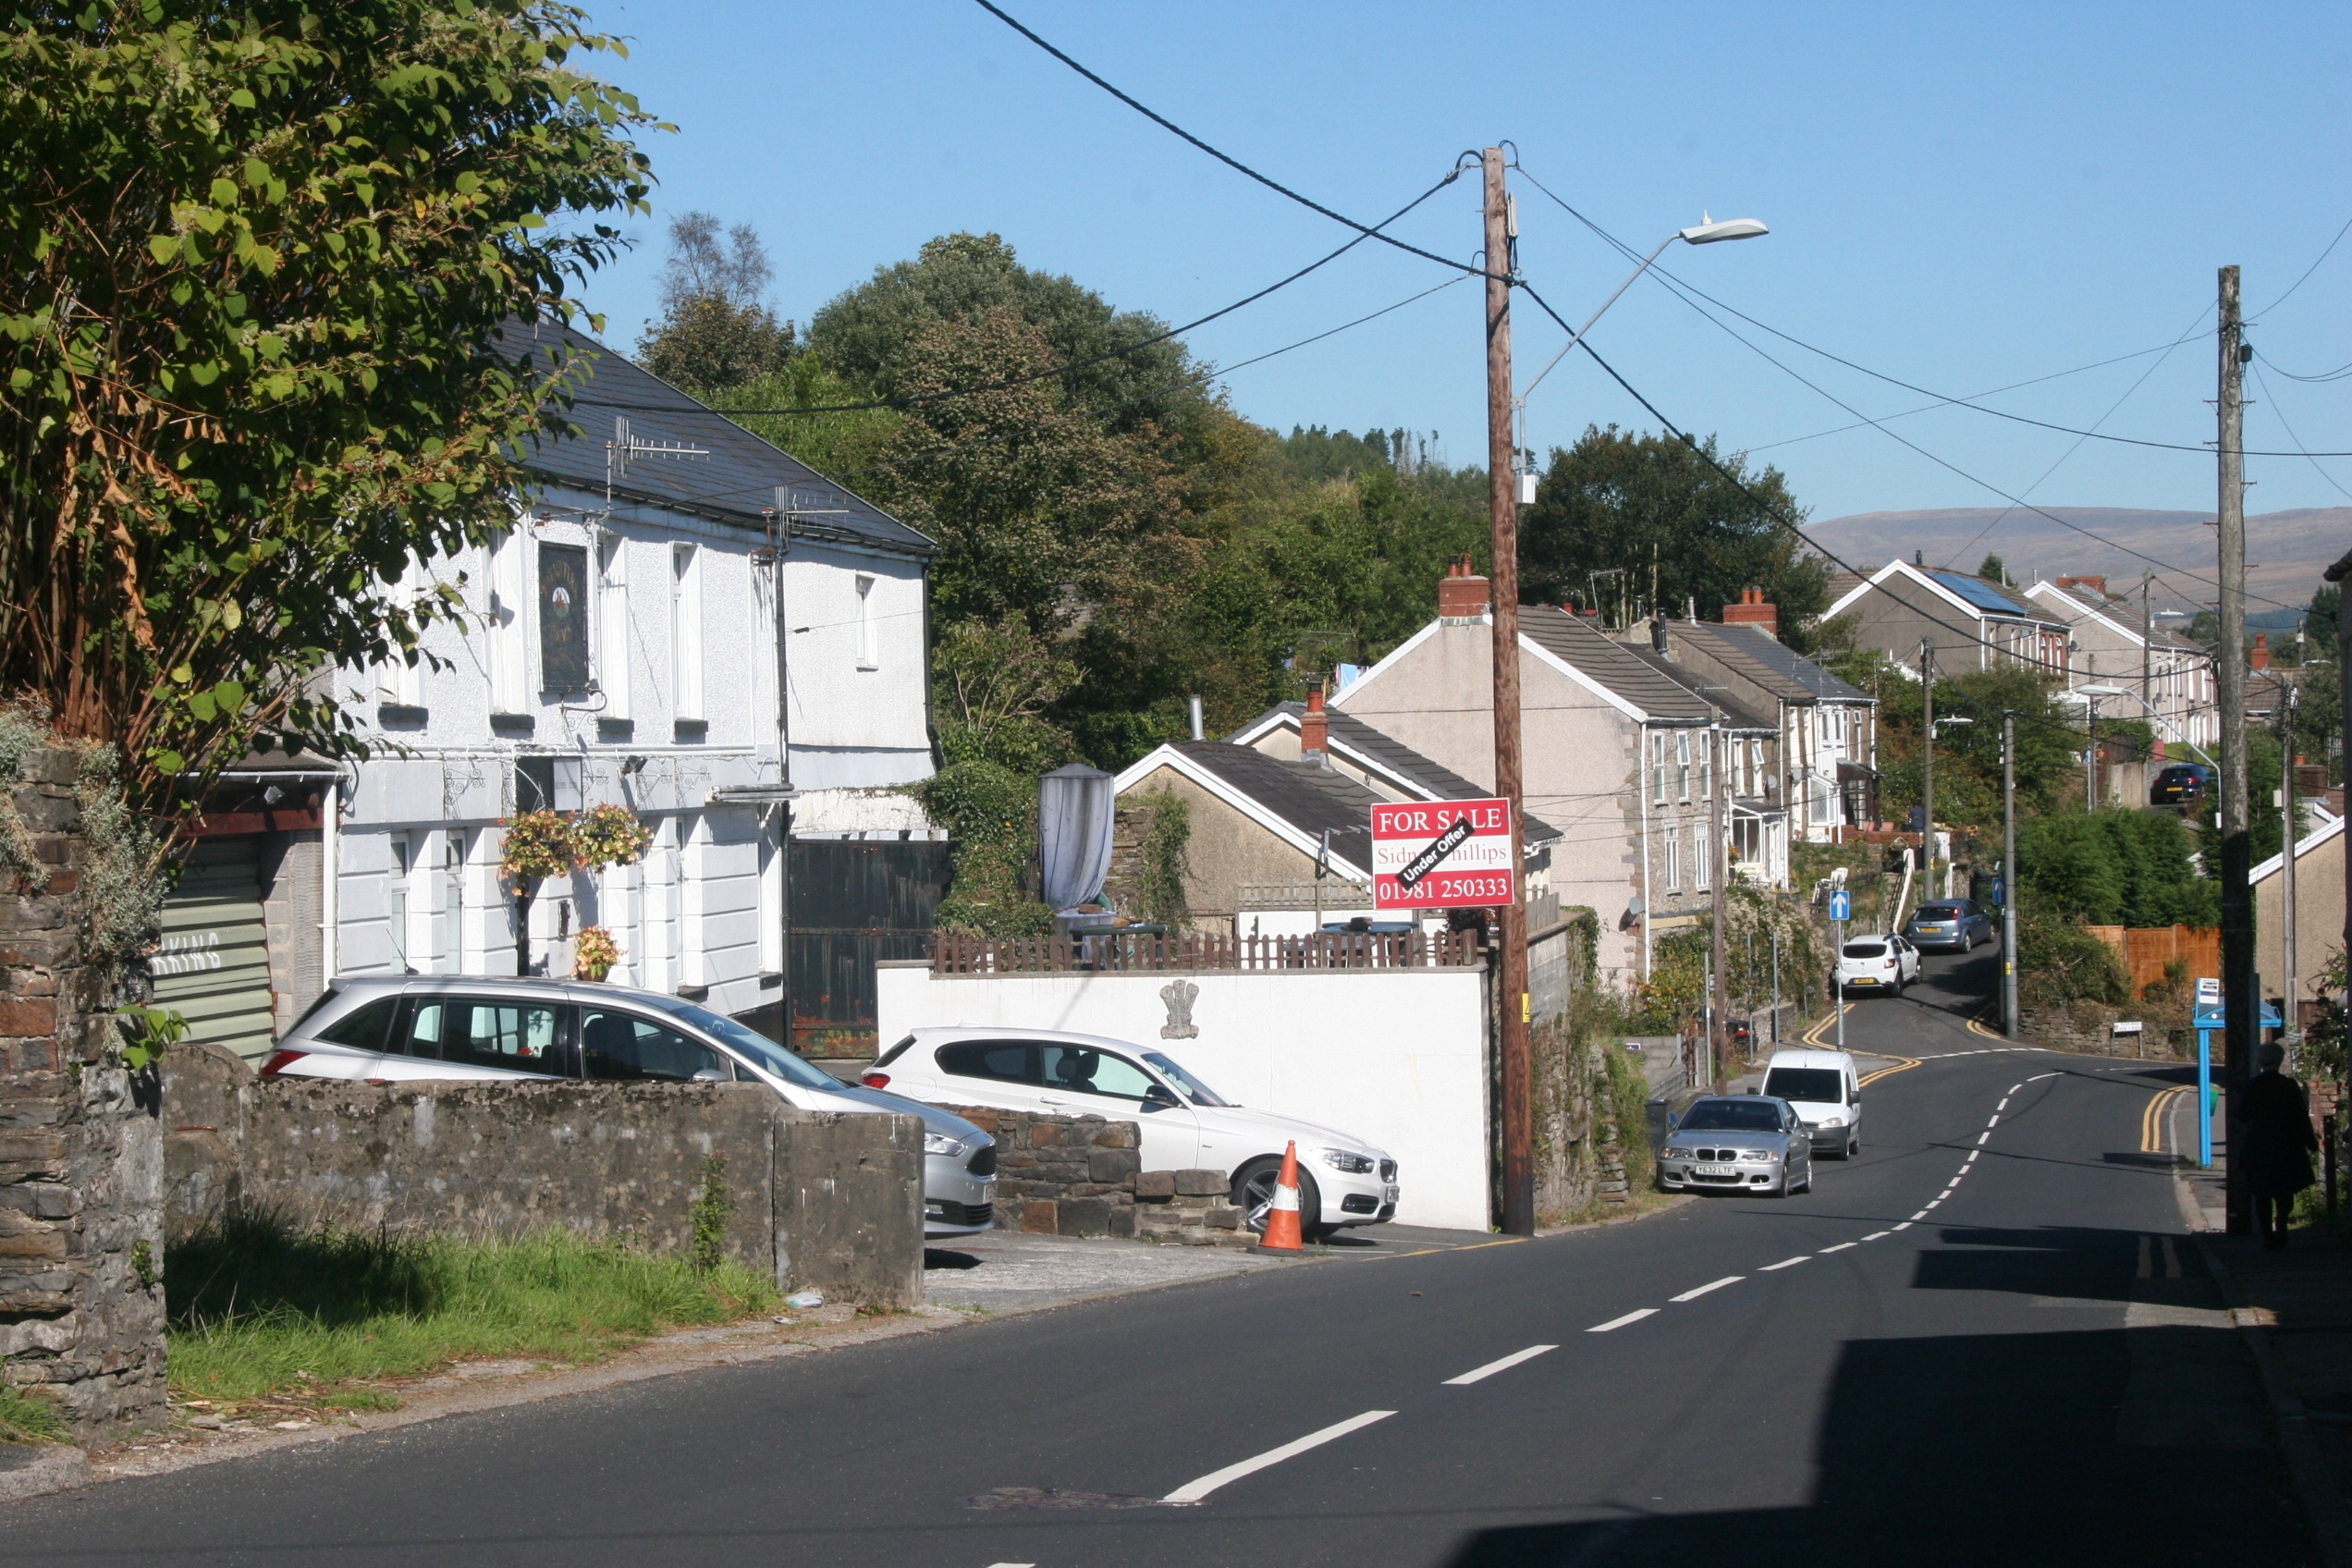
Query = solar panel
x=1977 y=592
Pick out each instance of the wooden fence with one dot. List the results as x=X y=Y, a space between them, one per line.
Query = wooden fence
x=956 y=954
x=2145 y=951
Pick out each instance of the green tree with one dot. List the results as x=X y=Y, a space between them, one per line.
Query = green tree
x=716 y=329
x=1623 y=501
x=1992 y=568
x=2115 y=867
x=2322 y=620
x=256 y=253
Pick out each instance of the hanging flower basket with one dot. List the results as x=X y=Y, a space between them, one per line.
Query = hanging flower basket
x=608 y=835
x=538 y=845
x=594 y=954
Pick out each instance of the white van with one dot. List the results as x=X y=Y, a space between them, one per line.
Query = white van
x=1823 y=1088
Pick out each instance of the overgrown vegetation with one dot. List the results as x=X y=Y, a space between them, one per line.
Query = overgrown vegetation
x=2115 y=866
x=28 y=1418
x=990 y=813
x=1162 y=862
x=255 y=257
x=258 y=1306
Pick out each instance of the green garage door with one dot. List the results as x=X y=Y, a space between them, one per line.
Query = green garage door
x=214 y=964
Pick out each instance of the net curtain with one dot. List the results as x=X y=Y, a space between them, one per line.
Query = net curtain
x=1074 y=812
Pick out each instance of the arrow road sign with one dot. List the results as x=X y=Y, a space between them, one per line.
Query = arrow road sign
x=1840 y=905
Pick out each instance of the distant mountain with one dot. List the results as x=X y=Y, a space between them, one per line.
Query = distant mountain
x=2285 y=551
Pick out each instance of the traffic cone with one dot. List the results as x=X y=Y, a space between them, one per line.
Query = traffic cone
x=1282 y=1233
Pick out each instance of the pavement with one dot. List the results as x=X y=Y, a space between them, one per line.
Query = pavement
x=1991 y=1337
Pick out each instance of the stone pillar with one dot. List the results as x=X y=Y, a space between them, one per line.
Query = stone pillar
x=81 y=1300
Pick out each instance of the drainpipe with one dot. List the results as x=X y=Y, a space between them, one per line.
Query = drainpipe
x=1641 y=793
x=330 y=853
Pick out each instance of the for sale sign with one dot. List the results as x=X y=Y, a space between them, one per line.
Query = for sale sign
x=1442 y=855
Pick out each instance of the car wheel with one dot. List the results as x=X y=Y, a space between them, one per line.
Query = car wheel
x=1853 y=1146
x=1254 y=1194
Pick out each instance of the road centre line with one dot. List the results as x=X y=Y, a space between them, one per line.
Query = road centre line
x=1839 y=1247
x=1921 y=1214
x=1194 y=1491
x=1787 y=1262
x=1478 y=1373
x=1693 y=1295
x=2040 y=1076
x=1982 y=1136
x=1904 y=1226
x=1620 y=1322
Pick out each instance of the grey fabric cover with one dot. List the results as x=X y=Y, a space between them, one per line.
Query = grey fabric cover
x=1074 y=807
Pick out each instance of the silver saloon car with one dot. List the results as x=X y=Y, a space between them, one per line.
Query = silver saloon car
x=1737 y=1143
x=454 y=1026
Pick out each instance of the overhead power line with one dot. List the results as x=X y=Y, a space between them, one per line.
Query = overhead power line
x=1228 y=370
x=2203 y=450
x=1369 y=232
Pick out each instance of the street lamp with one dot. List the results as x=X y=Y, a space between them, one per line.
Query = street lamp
x=1707 y=231
x=2153 y=711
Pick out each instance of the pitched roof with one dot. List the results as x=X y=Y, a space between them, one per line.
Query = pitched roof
x=1311 y=800
x=1734 y=713
x=1979 y=593
x=735 y=483
x=1389 y=755
x=2117 y=613
x=1574 y=640
x=1771 y=663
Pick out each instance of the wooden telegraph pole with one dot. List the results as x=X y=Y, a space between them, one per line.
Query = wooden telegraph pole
x=1518 y=1107
x=2241 y=1019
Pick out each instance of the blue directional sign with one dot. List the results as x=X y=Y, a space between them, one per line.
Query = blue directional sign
x=1840 y=905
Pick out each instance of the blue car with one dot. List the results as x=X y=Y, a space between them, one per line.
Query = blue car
x=1949 y=925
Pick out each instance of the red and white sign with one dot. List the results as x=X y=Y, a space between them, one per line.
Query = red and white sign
x=1442 y=855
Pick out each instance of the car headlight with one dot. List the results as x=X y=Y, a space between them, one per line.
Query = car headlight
x=1352 y=1163
x=1833 y=1122
x=1673 y=1153
x=942 y=1142
x=1758 y=1154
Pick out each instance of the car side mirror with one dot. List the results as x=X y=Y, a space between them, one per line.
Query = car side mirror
x=1159 y=1094
x=710 y=1075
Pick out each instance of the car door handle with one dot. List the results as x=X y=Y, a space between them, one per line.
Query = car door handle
x=1051 y=1099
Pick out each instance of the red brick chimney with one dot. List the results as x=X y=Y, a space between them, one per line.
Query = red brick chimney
x=2261 y=654
x=2096 y=584
x=1752 y=611
x=1315 y=729
x=1461 y=593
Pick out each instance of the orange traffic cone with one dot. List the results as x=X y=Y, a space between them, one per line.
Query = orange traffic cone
x=1282 y=1233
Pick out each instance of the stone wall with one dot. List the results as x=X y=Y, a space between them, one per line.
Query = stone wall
x=81 y=1307
x=1192 y=1208
x=1061 y=1175
x=821 y=1199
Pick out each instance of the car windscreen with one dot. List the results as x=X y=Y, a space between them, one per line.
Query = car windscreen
x=1814 y=1086
x=1940 y=912
x=1195 y=1090
x=1732 y=1116
x=1865 y=949
x=757 y=1048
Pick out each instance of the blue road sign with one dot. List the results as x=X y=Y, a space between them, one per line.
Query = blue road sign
x=1840 y=905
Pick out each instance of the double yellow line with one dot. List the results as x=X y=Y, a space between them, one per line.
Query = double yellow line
x=1901 y=1064
x=2154 y=1121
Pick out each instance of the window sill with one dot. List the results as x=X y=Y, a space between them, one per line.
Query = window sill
x=694 y=993
x=616 y=729
x=690 y=729
x=514 y=724
x=406 y=716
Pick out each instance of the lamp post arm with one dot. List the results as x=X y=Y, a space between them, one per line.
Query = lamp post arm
x=1579 y=337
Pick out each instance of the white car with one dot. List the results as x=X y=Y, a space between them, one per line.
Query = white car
x=392 y=1030
x=1885 y=963
x=1822 y=1088
x=1344 y=1180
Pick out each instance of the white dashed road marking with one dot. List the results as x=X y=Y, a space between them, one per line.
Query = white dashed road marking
x=1839 y=1247
x=1693 y=1295
x=1785 y=1263
x=1620 y=1322
x=1194 y=1491
x=1876 y=1234
x=1478 y=1373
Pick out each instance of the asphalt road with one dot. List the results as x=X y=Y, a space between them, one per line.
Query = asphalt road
x=2022 y=1365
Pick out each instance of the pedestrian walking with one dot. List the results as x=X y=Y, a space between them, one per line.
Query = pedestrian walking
x=2279 y=1146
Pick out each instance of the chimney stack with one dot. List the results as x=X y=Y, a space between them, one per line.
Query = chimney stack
x=2261 y=654
x=2096 y=584
x=1315 y=729
x=1752 y=611
x=1461 y=593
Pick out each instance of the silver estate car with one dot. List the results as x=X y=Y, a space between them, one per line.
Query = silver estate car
x=453 y=1026
x=1746 y=1143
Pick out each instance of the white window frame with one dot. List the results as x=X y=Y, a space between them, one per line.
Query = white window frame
x=772 y=859
x=399 y=867
x=1657 y=767
x=1673 y=857
x=1702 y=857
x=692 y=859
x=509 y=619
x=1681 y=764
x=869 y=639
x=686 y=634
x=612 y=625
x=1706 y=766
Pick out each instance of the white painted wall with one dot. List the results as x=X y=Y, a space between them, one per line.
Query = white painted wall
x=1398 y=1056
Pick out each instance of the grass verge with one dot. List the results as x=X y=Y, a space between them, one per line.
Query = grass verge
x=259 y=1309
x=25 y=1419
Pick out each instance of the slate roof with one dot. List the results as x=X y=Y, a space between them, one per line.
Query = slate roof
x=1770 y=663
x=2120 y=613
x=735 y=483
x=1574 y=640
x=1309 y=798
x=1394 y=757
x=1735 y=714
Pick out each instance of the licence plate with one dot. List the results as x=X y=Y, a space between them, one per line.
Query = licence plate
x=1863 y=980
x=1393 y=1194
x=1714 y=1170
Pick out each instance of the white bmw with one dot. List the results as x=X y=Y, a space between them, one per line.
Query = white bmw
x=1344 y=1180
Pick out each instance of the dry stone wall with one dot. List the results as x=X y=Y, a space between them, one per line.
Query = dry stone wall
x=819 y=1199
x=81 y=1306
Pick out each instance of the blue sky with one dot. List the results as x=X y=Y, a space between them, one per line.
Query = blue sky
x=1963 y=196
